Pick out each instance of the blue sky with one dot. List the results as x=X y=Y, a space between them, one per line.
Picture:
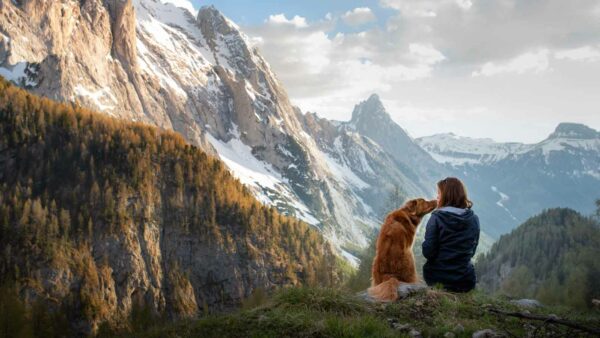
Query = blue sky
x=245 y=12
x=250 y=13
x=510 y=70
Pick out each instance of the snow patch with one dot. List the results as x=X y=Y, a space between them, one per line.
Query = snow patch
x=97 y=97
x=342 y=171
x=503 y=198
x=257 y=174
x=183 y=4
x=20 y=73
x=353 y=260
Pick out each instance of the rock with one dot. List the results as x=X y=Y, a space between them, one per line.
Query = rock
x=459 y=328
x=415 y=333
x=394 y=324
x=526 y=303
x=364 y=295
x=401 y=327
x=487 y=333
x=449 y=335
x=596 y=303
x=405 y=290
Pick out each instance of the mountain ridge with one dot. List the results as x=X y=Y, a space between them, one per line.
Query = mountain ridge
x=154 y=62
x=516 y=180
x=201 y=77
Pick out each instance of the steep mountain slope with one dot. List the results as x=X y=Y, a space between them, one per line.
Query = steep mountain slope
x=370 y=119
x=552 y=257
x=374 y=148
x=150 y=61
x=513 y=181
x=98 y=215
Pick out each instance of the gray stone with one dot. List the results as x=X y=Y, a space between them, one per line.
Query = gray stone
x=526 y=303
x=415 y=333
x=405 y=290
x=487 y=333
x=401 y=327
x=449 y=335
x=459 y=328
x=364 y=295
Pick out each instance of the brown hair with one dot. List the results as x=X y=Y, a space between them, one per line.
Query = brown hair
x=453 y=193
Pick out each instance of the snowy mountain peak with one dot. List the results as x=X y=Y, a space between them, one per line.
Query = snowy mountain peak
x=455 y=150
x=574 y=131
x=182 y=4
x=212 y=13
x=371 y=109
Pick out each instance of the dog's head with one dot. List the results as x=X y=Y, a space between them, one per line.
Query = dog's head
x=417 y=208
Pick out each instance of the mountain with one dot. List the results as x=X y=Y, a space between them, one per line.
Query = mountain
x=379 y=161
x=370 y=119
x=551 y=257
x=512 y=181
x=154 y=62
x=454 y=150
x=99 y=216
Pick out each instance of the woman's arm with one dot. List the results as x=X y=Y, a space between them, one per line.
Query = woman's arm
x=432 y=234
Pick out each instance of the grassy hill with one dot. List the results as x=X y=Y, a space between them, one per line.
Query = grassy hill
x=310 y=312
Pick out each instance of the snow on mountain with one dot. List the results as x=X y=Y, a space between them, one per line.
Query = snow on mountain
x=561 y=171
x=459 y=150
x=158 y=62
x=162 y=62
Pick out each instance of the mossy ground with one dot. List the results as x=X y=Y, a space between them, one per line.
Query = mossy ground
x=311 y=312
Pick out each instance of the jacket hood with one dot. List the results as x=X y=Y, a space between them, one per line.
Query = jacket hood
x=456 y=218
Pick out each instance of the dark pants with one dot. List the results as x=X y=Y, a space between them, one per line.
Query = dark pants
x=465 y=285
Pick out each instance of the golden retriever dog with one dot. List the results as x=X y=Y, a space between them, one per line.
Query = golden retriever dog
x=394 y=262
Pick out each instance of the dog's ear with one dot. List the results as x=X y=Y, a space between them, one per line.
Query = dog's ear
x=411 y=207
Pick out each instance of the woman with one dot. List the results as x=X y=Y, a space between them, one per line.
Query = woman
x=451 y=238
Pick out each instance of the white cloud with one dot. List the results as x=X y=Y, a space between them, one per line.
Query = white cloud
x=359 y=16
x=435 y=60
x=324 y=72
x=424 y=8
x=586 y=53
x=464 y=4
x=535 y=62
x=425 y=53
x=280 y=19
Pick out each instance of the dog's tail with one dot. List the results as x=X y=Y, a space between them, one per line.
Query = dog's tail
x=386 y=291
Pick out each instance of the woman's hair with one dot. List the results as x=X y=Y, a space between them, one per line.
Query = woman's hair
x=453 y=193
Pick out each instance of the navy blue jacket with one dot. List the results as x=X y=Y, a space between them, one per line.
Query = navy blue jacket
x=451 y=238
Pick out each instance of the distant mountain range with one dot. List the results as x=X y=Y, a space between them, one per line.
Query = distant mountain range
x=512 y=181
x=199 y=75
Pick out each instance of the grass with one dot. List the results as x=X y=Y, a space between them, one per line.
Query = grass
x=314 y=312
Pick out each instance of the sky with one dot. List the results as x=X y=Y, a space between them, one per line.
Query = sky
x=510 y=70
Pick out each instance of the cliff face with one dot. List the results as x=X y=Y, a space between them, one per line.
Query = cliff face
x=100 y=215
x=146 y=60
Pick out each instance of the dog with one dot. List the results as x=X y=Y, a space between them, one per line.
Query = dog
x=394 y=262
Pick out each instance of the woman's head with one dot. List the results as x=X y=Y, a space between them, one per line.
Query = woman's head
x=452 y=193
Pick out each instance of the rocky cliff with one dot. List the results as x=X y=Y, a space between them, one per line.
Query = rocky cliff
x=150 y=61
